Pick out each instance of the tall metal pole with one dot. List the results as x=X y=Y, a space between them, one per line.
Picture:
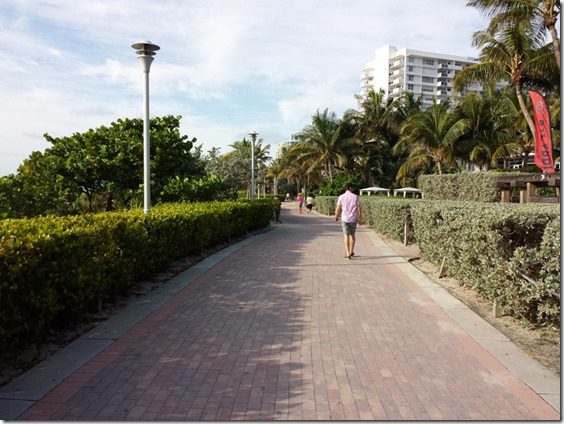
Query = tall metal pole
x=253 y=139
x=145 y=51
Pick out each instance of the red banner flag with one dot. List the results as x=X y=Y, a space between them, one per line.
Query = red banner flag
x=543 y=135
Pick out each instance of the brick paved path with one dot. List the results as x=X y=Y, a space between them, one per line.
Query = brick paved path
x=286 y=328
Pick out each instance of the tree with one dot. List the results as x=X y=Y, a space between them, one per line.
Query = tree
x=102 y=167
x=541 y=15
x=376 y=124
x=487 y=124
x=323 y=144
x=234 y=167
x=429 y=138
x=512 y=53
x=519 y=142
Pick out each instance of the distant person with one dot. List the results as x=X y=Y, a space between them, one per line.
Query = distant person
x=348 y=208
x=309 y=203
x=300 y=200
x=287 y=197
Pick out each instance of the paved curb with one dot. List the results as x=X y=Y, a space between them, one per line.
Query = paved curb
x=28 y=388
x=540 y=379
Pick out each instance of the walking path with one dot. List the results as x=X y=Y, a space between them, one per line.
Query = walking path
x=280 y=326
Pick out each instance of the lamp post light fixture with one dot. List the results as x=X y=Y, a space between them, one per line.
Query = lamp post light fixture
x=145 y=52
x=253 y=135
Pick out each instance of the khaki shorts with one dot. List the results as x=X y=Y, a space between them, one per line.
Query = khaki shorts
x=349 y=228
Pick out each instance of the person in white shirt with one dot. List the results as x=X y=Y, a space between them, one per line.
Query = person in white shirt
x=350 y=211
x=309 y=203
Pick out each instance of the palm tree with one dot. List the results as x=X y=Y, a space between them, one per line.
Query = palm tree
x=323 y=144
x=376 y=129
x=486 y=126
x=429 y=139
x=242 y=150
x=519 y=140
x=513 y=54
x=542 y=15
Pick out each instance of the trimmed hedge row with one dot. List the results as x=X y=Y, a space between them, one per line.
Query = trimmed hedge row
x=464 y=186
x=54 y=269
x=509 y=253
x=482 y=244
x=389 y=216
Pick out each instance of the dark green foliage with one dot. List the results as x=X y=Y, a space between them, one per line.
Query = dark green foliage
x=54 y=269
x=339 y=185
x=189 y=189
x=99 y=170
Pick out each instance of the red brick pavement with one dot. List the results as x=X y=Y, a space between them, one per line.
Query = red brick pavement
x=285 y=328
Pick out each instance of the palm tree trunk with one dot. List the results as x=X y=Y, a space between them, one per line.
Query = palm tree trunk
x=555 y=44
x=523 y=107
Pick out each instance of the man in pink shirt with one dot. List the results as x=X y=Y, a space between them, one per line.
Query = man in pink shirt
x=348 y=207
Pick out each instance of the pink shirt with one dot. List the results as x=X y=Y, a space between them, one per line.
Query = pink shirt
x=349 y=203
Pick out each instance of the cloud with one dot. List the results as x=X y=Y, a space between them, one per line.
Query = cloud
x=68 y=65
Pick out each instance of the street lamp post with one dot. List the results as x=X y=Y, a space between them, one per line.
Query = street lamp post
x=145 y=52
x=253 y=135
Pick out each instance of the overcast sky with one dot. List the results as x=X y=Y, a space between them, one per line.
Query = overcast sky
x=227 y=67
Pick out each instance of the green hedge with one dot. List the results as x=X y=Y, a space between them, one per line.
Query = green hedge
x=389 y=216
x=465 y=186
x=482 y=243
x=54 y=269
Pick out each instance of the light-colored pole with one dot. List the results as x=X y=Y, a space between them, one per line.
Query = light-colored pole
x=145 y=51
x=253 y=135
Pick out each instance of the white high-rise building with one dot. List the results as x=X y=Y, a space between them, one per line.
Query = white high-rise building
x=423 y=73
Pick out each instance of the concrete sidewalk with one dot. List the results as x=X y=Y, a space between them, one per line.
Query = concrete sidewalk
x=281 y=326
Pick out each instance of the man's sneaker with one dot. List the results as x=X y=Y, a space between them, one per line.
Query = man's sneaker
x=352 y=254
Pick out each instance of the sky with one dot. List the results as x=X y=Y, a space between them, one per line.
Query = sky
x=227 y=67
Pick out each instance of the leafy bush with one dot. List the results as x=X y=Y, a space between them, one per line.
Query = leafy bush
x=464 y=186
x=389 y=216
x=189 y=189
x=338 y=185
x=479 y=242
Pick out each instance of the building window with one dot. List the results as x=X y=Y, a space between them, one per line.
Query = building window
x=427 y=79
x=410 y=77
x=410 y=86
x=410 y=69
x=427 y=88
x=427 y=61
x=411 y=59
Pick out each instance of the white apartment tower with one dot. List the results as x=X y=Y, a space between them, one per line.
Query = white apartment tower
x=422 y=73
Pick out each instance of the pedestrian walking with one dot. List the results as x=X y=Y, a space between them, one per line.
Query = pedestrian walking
x=350 y=211
x=309 y=203
x=300 y=200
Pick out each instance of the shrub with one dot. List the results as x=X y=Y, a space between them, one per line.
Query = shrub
x=480 y=241
x=464 y=186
